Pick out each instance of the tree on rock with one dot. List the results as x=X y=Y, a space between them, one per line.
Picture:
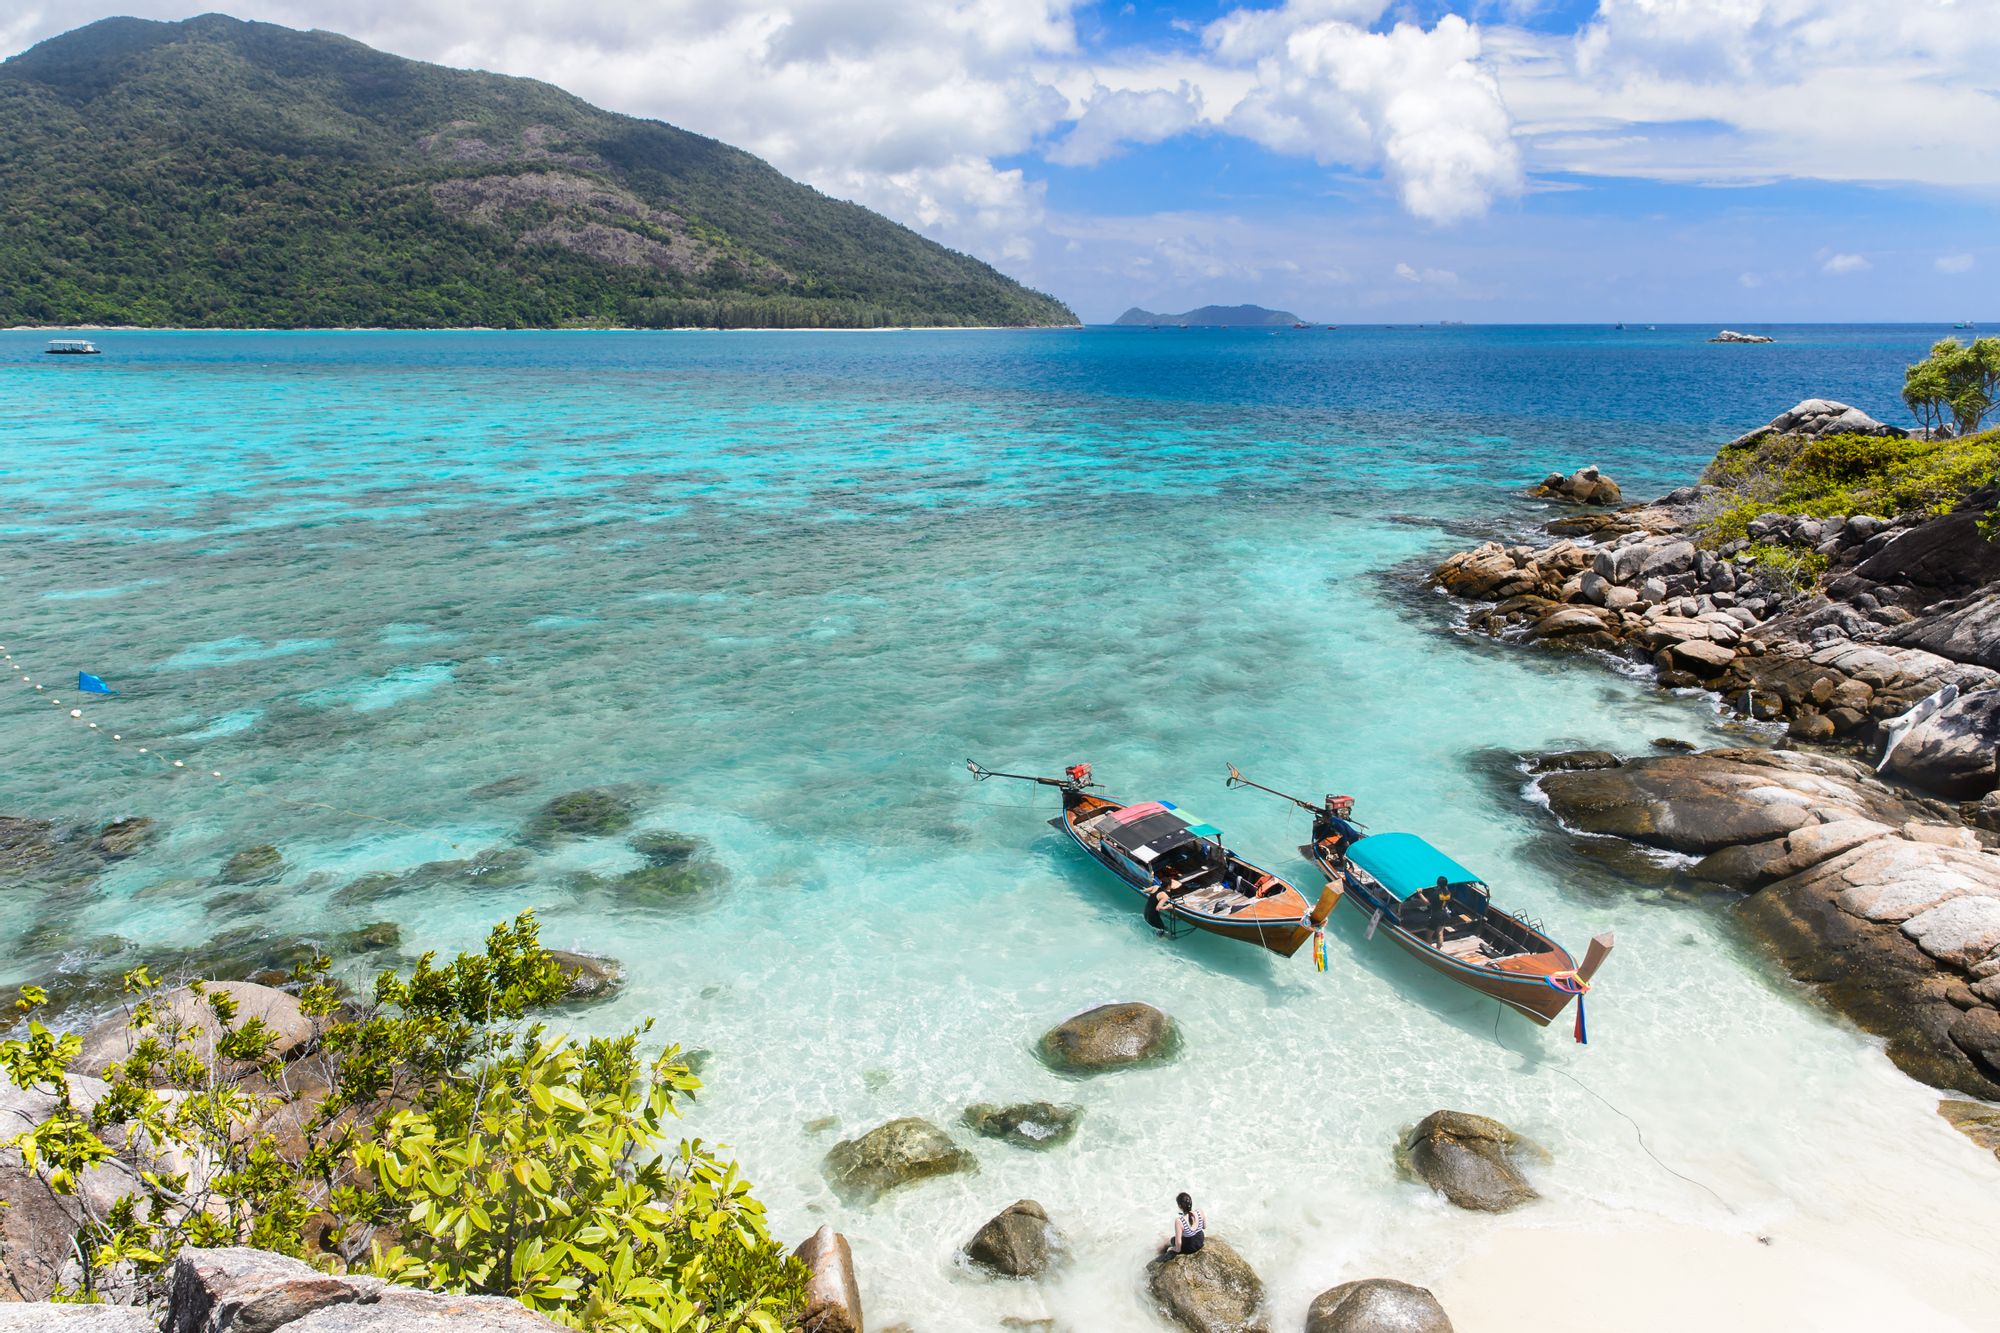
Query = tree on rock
x=1954 y=380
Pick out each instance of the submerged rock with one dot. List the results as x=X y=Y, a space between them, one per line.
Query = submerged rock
x=1025 y=1124
x=665 y=883
x=833 y=1297
x=1111 y=1036
x=1376 y=1305
x=1018 y=1242
x=493 y=868
x=253 y=865
x=517 y=785
x=1213 y=1290
x=665 y=848
x=1470 y=1159
x=125 y=837
x=901 y=1152
x=591 y=812
x=590 y=979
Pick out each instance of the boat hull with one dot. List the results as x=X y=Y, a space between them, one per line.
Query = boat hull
x=1281 y=922
x=1522 y=983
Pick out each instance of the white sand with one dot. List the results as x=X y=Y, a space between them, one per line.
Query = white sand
x=1649 y=1277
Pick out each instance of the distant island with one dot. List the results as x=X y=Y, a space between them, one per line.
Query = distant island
x=1213 y=316
x=216 y=173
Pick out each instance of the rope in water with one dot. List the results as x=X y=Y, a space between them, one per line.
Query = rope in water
x=1637 y=1131
x=179 y=767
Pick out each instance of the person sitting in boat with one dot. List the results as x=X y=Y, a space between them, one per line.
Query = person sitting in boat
x=1331 y=829
x=1189 y=1226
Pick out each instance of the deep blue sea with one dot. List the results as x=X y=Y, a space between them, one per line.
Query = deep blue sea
x=777 y=587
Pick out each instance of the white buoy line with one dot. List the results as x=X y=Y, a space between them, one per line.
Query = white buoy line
x=169 y=763
x=76 y=715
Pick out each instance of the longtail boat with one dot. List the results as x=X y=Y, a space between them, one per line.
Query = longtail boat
x=1150 y=843
x=1442 y=914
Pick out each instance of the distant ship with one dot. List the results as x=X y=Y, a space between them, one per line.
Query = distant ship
x=71 y=347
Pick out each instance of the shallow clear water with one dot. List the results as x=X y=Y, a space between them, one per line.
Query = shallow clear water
x=782 y=585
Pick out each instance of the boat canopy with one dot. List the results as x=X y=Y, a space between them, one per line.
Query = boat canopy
x=1157 y=829
x=1405 y=864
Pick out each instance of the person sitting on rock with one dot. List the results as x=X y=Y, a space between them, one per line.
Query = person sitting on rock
x=1189 y=1225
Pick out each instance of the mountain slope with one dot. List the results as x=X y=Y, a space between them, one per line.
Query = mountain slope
x=1213 y=316
x=215 y=173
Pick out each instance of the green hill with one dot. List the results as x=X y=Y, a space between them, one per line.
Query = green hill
x=218 y=173
x=1213 y=317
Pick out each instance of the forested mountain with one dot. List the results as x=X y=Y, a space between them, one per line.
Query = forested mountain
x=1212 y=317
x=219 y=173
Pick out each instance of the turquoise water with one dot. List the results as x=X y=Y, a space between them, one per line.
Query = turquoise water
x=777 y=587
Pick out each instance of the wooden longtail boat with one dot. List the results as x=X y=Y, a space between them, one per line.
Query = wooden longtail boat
x=1220 y=892
x=1442 y=914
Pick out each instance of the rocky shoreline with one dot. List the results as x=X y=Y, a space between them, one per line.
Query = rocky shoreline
x=1880 y=891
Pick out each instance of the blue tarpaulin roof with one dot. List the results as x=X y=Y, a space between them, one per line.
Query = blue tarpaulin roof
x=1403 y=863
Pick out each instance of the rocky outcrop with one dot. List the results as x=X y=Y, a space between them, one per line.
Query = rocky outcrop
x=1954 y=751
x=194 y=1015
x=44 y=1318
x=1875 y=896
x=1019 y=1241
x=1976 y=1120
x=239 y=1290
x=1585 y=486
x=1213 y=1290
x=833 y=1297
x=1732 y=336
x=1111 y=1036
x=1816 y=417
x=1902 y=612
x=1471 y=1160
x=901 y=1152
x=1025 y=1124
x=1376 y=1305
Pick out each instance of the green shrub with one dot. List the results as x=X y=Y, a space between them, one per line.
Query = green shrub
x=1842 y=475
x=458 y=1148
x=1799 y=571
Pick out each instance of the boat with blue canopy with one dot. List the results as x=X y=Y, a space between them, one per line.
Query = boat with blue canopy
x=1442 y=914
x=1178 y=869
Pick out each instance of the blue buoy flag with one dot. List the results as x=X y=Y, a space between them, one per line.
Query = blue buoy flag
x=90 y=684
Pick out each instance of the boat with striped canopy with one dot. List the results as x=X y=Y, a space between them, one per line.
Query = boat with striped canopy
x=1149 y=844
x=1442 y=914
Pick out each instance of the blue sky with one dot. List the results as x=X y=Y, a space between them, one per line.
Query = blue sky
x=1727 y=161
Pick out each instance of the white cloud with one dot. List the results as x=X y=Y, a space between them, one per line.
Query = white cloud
x=1736 y=91
x=1415 y=102
x=1114 y=117
x=1953 y=264
x=1427 y=277
x=1749 y=280
x=1840 y=265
